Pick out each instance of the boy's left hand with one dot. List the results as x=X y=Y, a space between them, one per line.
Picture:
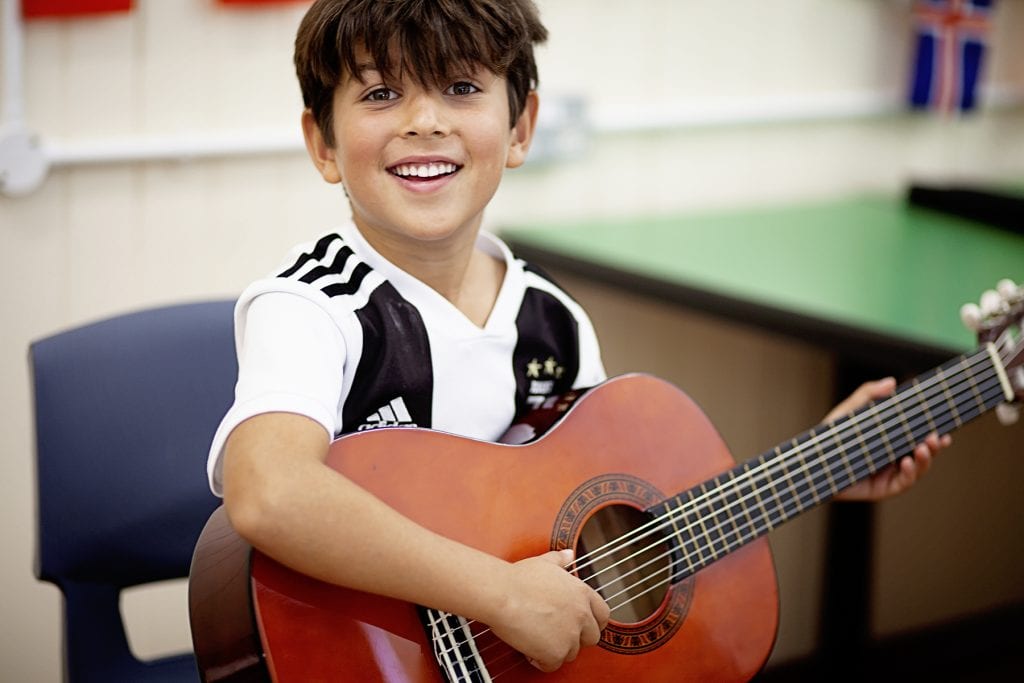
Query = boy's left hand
x=902 y=474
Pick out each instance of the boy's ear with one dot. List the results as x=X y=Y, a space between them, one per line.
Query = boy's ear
x=320 y=152
x=522 y=131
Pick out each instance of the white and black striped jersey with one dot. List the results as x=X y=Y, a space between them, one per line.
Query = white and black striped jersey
x=346 y=338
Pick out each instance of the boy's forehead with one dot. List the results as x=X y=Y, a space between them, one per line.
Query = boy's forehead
x=396 y=65
x=398 y=68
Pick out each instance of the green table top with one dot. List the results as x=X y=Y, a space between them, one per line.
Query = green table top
x=873 y=268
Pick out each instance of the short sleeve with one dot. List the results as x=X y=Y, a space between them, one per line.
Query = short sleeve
x=291 y=358
x=591 y=372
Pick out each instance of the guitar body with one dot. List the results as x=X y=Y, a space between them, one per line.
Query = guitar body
x=629 y=442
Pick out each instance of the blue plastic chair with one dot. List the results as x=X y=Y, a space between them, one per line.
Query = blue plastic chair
x=125 y=411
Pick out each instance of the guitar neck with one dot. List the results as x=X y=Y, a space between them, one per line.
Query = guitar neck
x=724 y=513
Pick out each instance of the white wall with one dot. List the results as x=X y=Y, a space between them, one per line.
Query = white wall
x=183 y=229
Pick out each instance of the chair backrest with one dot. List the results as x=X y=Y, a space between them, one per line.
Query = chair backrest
x=125 y=411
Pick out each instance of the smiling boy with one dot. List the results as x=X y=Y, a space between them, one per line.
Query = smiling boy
x=408 y=315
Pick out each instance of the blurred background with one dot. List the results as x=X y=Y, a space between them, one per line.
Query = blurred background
x=175 y=172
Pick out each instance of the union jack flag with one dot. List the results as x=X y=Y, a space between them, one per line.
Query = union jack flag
x=950 y=48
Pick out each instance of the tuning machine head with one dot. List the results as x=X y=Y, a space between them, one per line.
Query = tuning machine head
x=1008 y=413
x=996 y=319
x=995 y=311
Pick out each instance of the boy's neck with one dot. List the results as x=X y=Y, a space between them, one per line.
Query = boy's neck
x=456 y=269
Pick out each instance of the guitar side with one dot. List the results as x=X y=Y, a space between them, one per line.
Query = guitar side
x=509 y=501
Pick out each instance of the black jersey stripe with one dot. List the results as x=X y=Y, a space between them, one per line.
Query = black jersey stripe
x=395 y=361
x=333 y=268
x=546 y=359
x=318 y=252
x=359 y=273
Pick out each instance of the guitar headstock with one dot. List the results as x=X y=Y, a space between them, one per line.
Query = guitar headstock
x=997 y=320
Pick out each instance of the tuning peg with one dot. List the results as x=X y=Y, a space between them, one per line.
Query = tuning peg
x=970 y=315
x=1009 y=290
x=1007 y=414
x=991 y=303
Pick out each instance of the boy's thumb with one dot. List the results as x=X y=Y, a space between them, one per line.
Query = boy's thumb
x=563 y=558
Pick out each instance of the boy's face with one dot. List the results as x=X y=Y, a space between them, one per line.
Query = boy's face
x=420 y=164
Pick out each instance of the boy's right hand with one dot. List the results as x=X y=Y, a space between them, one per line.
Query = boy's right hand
x=549 y=614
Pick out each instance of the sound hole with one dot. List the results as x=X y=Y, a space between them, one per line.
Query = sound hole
x=630 y=569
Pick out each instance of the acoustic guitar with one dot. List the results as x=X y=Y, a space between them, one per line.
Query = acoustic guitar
x=632 y=475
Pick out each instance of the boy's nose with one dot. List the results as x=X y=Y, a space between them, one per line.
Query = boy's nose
x=425 y=116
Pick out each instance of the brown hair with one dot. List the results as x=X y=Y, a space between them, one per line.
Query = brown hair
x=436 y=41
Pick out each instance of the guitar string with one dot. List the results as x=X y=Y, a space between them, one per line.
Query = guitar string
x=475 y=664
x=950 y=419
x=668 y=580
x=776 y=463
x=443 y=655
x=681 y=511
x=945 y=423
x=817 y=477
x=842 y=427
x=749 y=474
x=486 y=664
x=994 y=391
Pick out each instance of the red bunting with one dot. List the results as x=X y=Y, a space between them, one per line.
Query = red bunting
x=261 y=2
x=34 y=9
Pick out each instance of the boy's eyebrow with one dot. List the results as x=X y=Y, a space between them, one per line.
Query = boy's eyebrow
x=366 y=71
x=363 y=67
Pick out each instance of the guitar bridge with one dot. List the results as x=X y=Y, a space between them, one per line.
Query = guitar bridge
x=454 y=647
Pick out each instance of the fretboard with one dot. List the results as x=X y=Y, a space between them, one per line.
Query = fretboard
x=726 y=512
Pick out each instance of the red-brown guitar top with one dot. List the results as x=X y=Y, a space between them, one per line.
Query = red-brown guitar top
x=666 y=526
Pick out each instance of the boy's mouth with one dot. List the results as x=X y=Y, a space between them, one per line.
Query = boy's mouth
x=427 y=171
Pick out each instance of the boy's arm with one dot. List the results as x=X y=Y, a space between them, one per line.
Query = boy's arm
x=283 y=499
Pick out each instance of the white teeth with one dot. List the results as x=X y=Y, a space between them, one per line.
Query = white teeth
x=423 y=170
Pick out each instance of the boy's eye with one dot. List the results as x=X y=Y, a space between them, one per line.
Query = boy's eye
x=462 y=88
x=381 y=95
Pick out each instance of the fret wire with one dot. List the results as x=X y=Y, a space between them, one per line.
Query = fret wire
x=925 y=406
x=781 y=459
x=844 y=459
x=977 y=398
x=902 y=414
x=714 y=517
x=740 y=496
x=948 y=396
x=691 y=538
x=761 y=462
x=739 y=524
x=700 y=520
x=823 y=460
x=677 y=531
x=803 y=468
x=774 y=491
x=884 y=438
x=863 y=445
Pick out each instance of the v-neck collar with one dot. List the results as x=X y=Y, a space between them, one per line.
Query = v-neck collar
x=428 y=300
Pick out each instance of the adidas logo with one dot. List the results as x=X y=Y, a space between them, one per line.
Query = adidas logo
x=393 y=414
